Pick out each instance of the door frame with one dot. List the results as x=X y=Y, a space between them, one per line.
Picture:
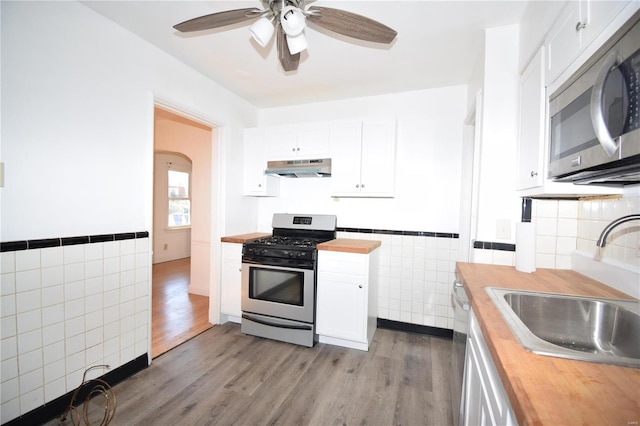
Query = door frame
x=218 y=150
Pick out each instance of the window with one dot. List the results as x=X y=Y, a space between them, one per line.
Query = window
x=179 y=199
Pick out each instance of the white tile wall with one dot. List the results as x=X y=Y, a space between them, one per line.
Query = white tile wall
x=563 y=226
x=556 y=230
x=623 y=244
x=64 y=309
x=416 y=276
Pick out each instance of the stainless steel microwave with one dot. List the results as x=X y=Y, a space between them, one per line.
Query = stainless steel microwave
x=594 y=119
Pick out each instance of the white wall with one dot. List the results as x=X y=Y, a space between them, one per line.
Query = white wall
x=428 y=158
x=497 y=198
x=77 y=143
x=76 y=96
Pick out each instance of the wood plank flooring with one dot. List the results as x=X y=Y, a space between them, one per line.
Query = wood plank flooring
x=223 y=377
x=176 y=315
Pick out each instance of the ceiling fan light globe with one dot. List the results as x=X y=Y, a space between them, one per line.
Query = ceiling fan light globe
x=262 y=31
x=292 y=20
x=296 y=44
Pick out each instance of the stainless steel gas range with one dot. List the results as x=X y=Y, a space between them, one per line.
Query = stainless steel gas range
x=279 y=278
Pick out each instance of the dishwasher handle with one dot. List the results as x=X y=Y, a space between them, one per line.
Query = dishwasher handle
x=459 y=296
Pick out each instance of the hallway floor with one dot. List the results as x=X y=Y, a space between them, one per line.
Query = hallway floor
x=176 y=315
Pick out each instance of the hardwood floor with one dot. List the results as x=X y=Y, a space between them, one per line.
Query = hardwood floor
x=176 y=315
x=222 y=377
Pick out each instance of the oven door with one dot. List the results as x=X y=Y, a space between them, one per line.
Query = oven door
x=277 y=291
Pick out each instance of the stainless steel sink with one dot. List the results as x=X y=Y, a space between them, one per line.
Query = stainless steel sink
x=581 y=328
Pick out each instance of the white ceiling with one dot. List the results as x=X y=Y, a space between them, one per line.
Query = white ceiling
x=438 y=44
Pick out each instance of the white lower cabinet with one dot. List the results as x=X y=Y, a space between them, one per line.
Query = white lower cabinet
x=485 y=400
x=230 y=282
x=347 y=298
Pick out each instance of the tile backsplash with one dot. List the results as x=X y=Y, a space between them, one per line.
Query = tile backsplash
x=66 y=308
x=566 y=226
x=416 y=276
x=623 y=243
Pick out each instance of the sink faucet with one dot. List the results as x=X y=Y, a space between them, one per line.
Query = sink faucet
x=605 y=233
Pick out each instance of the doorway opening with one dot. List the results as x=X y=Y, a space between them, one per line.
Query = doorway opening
x=181 y=230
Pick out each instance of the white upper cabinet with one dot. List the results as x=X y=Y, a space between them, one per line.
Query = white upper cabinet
x=363 y=157
x=255 y=182
x=532 y=124
x=533 y=144
x=303 y=141
x=563 y=41
x=580 y=23
x=599 y=14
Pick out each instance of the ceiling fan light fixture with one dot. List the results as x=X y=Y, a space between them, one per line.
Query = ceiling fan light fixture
x=262 y=31
x=292 y=20
x=297 y=43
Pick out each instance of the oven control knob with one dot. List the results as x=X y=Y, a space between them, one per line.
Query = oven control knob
x=300 y=254
x=291 y=254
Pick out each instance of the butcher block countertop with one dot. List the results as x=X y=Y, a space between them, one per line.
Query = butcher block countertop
x=546 y=390
x=350 y=245
x=241 y=239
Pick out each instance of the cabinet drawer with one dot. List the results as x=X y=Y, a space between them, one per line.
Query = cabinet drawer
x=342 y=263
x=232 y=251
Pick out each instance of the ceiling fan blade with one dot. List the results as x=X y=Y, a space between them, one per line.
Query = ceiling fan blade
x=351 y=24
x=216 y=20
x=288 y=61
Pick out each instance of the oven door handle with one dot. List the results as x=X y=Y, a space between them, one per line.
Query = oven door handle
x=597 y=113
x=273 y=324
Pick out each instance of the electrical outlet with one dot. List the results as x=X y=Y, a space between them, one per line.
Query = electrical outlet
x=503 y=229
x=165 y=246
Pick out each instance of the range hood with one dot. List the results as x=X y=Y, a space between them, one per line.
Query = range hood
x=299 y=168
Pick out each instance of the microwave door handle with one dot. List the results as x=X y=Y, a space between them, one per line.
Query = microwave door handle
x=597 y=114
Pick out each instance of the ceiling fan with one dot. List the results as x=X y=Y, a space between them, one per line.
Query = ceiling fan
x=288 y=19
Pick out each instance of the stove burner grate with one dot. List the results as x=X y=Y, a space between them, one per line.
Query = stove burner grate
x=286 y=242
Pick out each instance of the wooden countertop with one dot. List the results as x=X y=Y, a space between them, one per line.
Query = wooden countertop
x=242 y=238
x=546 y=390
x=350 y=245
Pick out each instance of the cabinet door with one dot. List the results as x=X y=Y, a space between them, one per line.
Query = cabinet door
x=281 y=143
x=532 y=124
x=342 y=295
x=255 y=182
x=378 y=157
x=341 y=307
x=231 y=279
x=563 y=42
x=346 y=150
x=478 y=408
x=313 y=141
x=486 y=402
x=597 y=15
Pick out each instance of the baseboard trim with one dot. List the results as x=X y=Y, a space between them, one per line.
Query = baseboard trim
x=415 y=328
x=56 y=408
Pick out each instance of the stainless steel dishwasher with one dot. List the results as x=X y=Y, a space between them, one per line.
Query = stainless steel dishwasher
x=459 y=346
